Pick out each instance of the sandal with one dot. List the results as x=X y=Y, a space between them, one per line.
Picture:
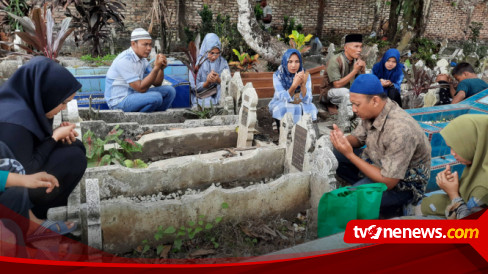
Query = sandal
x=50 y=229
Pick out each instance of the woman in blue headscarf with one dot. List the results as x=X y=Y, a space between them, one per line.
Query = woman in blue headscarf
x=293 y=89
x=212 y=65
x=390 y=72
x=29 y=100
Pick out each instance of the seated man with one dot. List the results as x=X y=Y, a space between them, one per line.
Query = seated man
x=397 y=151
x=469 y=83
x=342 y=69
x=129 y=78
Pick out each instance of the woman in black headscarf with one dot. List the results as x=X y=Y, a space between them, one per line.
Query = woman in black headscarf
x=29 y=100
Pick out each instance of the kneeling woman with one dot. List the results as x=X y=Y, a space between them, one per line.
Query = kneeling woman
x=467 y=136
x=212 y=64
x=390 y=72
x=293 y=89
x=29 y=100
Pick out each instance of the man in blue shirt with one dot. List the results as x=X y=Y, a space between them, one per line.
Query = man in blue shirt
x=469 y=83
x=130 y=77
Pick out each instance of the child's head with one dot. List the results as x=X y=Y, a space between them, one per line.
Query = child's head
x=391 y=63
x=462 y=71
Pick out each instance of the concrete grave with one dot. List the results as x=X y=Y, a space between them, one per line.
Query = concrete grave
x=229 y=107
x=235 y=89
x=91 y=229
x=247 y=117
x=195 y=172
x=118 y=116
x=224 y=86
x=345 y=114
x=286 y=127
x=330 y=52
x=83 y=207
x=370 y=55
x=298 y=155
x=324 y=165
x=133 y=129
x=180 y=142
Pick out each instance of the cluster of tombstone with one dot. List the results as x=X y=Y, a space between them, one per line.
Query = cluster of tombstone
x=119 y=207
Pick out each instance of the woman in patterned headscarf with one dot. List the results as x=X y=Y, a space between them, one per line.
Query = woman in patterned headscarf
x=212 y=65
x=467 y=136
x=293 y=89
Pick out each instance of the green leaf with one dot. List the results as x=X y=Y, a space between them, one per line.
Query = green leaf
x=144 y=241
x=208 y=226
x=129 y=163
x=159 y=249
x=140 y=163
x=146 y=248
x=200 y=222
x=177 y=244
x=181 y=233
x=218 y=219
x=191 y=223
x=225 y=205
x=158 y=236
x=198 y=229
x=201 y=216
x=170 y=230
x=106 y=159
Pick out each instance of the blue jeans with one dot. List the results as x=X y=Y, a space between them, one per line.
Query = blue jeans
x=392 y=201
x=155 y=99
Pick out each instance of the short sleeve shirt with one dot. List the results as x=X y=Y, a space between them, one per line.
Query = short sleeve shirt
x=125 y=69
x=334 y=70
x=398 y=146
x=471 y=86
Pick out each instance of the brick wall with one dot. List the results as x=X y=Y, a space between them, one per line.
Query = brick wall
x=341 y=17
x=448 y=21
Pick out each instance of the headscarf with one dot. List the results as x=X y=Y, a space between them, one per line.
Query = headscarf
x=285 y=77
x=32 y=91
x=467 y=135
x=210 y=42
x=393 y=75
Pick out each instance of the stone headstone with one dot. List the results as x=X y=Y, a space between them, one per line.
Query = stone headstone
x=370 y=55
x=472 y=59
x=323 y=166
x=286 y=127
x=91 y=227
x=345 y=114
x=442 y=67
x=444 y=44
x=57 y=120
x=303 y=141
x=235 y=89
x=229 y=105
x=224 y=86
x=247 y=117
x=330 y=52
x=316 y=47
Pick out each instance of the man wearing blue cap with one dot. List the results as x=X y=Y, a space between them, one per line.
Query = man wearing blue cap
x=130 y=77
x=397 y=150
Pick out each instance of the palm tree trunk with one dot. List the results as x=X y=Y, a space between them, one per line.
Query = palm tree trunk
x=320 y=19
